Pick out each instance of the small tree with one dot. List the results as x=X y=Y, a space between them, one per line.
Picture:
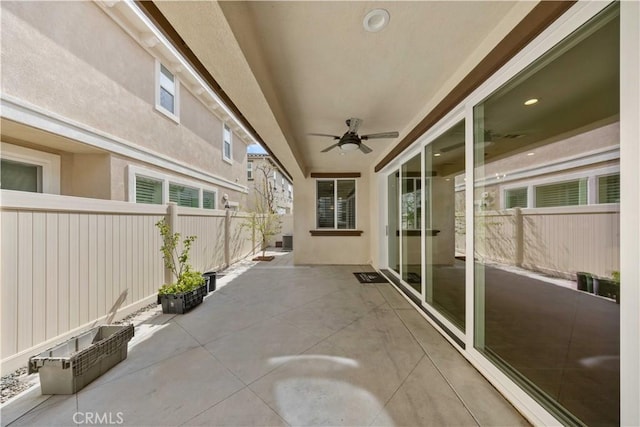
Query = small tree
x=177 y=262
x=263 y=218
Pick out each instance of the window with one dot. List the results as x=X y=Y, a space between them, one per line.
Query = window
x=226 y=143
x=148 y=190
x=336 y=204
x=25 y=169
x=250 y=171
x=290 y=191
x=570 y=193
x=515 y=198
x=21 y=176
x=166 y=91
x=184 y=196
x=209 y=199
x=609 y=189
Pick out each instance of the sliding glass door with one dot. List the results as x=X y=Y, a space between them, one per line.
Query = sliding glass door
x=546 y=236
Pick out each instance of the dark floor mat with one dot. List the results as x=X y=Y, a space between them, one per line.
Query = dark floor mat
x=370 y=277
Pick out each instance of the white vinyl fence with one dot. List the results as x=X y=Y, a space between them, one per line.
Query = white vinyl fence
x=556 y=241
x=68 y=262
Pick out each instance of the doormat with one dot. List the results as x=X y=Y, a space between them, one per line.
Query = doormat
x=370 y=277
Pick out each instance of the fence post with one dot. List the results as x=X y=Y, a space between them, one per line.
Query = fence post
x=227 y=236
x=519 y=237
x=172 y=222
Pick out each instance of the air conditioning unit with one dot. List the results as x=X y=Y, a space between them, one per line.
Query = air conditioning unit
x=287 y=242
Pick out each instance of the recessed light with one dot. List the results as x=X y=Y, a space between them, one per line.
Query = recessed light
x=376 y=20
x=530 y=154
x=437 y=155
x=531 y=101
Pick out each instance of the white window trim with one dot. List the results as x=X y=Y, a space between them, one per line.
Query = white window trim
x=176 y=96
x=50 y=164
x=335 y=203
x=592 y=184
x=135 y=171
x=224 y=156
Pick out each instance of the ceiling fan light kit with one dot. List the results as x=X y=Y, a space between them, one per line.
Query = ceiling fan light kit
x=351 y=141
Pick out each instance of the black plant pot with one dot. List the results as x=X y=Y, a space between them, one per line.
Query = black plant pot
x=585 y=281
x=182 y=302
x=210 y=280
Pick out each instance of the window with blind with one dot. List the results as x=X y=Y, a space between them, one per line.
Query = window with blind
x=249 y=171
x=570 y=193
x=20 y=176
x=208 y=200
x=226 y=142
x=515 y=198
x=184 y=196
x=609 y=189
x=148 y=190
x=336 y=204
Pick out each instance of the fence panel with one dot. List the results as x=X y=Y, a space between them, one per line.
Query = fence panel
x=67 y=260
x=556 y=241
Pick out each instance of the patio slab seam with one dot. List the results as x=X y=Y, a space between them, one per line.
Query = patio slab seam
x=382 y=408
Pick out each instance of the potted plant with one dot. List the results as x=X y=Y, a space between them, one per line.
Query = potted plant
x=610 y=287
x=189 y=288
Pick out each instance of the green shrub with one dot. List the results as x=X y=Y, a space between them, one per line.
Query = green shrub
x=177 y=262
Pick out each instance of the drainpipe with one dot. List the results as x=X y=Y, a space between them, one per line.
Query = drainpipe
x=227 y=234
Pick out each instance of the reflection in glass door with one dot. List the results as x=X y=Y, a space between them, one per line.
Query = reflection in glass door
x=393 y=234
x=411 y=214
x=444 y=224
x=546 y=241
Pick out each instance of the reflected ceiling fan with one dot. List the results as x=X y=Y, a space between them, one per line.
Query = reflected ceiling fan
x=351 y=141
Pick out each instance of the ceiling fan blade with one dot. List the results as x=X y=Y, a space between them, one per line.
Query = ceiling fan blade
x=381 y=135
x=365 y=149
x=324 y=134
x=353 y=124
x=331 y=147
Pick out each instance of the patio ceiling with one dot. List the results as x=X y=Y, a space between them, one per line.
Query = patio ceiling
x=293 y=68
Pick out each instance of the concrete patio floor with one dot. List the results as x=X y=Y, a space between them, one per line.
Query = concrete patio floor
x=285 y=345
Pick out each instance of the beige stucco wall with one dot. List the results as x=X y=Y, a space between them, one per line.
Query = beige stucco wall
x=328 y=249
x=88 y=70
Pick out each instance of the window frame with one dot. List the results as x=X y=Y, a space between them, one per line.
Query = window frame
x=134 y=171
x=226 y=127
x=335 y=204
x=591 y=175
x=49 y=165
x=175 y=115
x=250 y=170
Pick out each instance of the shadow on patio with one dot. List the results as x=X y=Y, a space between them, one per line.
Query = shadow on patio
x=285 y=345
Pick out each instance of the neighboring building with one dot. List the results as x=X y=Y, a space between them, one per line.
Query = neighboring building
x=104 y=107
x=103 y=123
x=258 y=167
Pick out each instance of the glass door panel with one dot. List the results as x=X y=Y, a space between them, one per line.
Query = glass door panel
x=393 y=234
x=444 y=224
x=547 y=261
x=411 y=212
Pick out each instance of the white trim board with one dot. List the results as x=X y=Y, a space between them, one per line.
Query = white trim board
x=22 y=112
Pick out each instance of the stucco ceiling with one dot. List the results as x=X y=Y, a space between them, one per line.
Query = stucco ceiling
x=294 y=68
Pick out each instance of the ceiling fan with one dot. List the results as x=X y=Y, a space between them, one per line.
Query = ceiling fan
x=351 y=141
